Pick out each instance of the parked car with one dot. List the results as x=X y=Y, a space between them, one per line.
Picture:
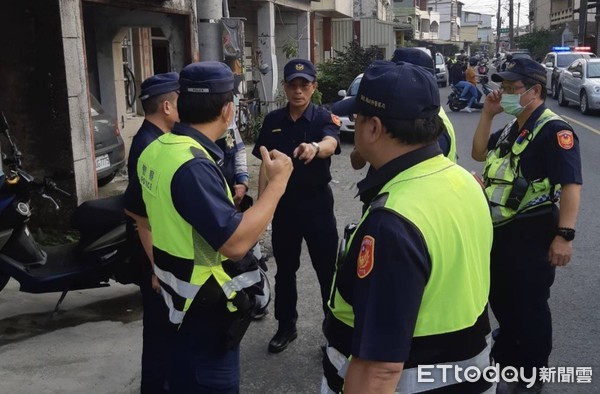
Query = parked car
x=108 y=144
x=580 y=84
x=347 y=126
x=557 y=60
x=441 y=72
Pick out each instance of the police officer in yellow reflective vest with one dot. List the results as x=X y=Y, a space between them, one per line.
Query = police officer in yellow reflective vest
x=529 y=165
x=195 y=226
x=447 y=140
x=412 y=282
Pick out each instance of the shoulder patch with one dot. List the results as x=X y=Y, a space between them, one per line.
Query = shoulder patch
x=336 y=120
x=565 y=139
x=366 y=260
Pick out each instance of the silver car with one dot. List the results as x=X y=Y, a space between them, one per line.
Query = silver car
x=580 y=84
x=347 y=125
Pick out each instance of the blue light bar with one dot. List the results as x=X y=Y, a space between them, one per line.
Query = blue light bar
x=561 y=49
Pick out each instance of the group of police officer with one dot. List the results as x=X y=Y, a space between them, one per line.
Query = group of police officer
x=411 y=286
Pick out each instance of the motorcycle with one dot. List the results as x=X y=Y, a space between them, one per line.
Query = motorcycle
x=108 y=246
x=456 y=104
x=482 y=68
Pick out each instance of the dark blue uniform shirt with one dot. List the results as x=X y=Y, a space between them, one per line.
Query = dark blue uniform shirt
x=147 y=133
x=199 y=192
x=544 y=157
x=280 y=132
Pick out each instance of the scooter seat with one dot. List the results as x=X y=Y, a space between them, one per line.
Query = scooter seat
x=99 y=215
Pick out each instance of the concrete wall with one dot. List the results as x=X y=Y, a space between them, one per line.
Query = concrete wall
x=541 y=13
x=109 y=26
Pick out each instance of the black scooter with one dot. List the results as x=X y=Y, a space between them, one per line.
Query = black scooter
x=456 y=104
x=108 y=247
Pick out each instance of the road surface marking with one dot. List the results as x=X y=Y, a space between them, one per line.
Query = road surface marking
x=590 y=128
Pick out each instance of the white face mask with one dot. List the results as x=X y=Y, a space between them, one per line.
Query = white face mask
x=511 y=103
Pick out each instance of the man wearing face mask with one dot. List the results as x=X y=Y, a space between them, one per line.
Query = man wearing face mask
x=532 y=166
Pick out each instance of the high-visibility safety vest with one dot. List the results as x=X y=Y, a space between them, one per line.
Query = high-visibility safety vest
x=191 y=260
x=417 y=194
x=507 y=189
x=452 y=152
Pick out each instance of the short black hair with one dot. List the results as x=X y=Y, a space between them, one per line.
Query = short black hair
x=414 y=131
x=197 y=108
x=529 y=83
x=152 y=104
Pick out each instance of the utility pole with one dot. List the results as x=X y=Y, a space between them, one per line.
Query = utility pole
x=210 y=13
x=511 y=32
x=498 y=27
x=518 y=16
x=597 y=26
x=582 y=22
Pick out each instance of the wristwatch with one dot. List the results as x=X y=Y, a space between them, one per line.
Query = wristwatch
x=317 y=147
x=567 y=233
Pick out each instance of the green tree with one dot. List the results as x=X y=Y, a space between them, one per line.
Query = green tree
x=539 y=42
x=338 y=73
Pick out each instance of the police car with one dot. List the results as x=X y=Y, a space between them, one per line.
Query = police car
x=557 y=60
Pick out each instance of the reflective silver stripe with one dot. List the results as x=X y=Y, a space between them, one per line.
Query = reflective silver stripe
x=175 y=316
x=325 y=387
x=497 y=193
x=181 y=287
x=409 y=380
x=240 y=282
x=338 y=360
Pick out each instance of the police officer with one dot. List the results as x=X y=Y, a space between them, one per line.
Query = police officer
x=235 y=164
x=195 y=226
x=447 y=140
x=395 y=303
x=310 y=135
x=159 y=101
x=530 y=165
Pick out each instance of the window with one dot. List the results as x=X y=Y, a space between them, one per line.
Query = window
x=593 y=70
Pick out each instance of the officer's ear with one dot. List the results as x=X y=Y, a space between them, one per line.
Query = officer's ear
x=227 y=112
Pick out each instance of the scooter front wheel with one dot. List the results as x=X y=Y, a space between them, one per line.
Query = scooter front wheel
x=454 y=105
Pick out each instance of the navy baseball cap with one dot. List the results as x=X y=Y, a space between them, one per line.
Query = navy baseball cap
x=393 y=90
x=414 y=56
x=299 y=68
x=520 y=68
x=206 y=77
x=159 y=84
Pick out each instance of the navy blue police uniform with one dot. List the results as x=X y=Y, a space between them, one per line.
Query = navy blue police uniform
x=230 y=147
x=521 y=275
x=306 y=209
x=155 y=319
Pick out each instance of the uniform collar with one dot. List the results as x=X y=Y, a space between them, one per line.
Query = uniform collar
x=151 y=127
x=210 y=146
x=378 y=178
x=530 y=122
x=308 y=112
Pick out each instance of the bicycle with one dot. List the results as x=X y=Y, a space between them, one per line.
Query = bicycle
x=247 y=111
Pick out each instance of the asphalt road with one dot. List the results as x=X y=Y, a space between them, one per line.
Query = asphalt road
x=94 y=343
